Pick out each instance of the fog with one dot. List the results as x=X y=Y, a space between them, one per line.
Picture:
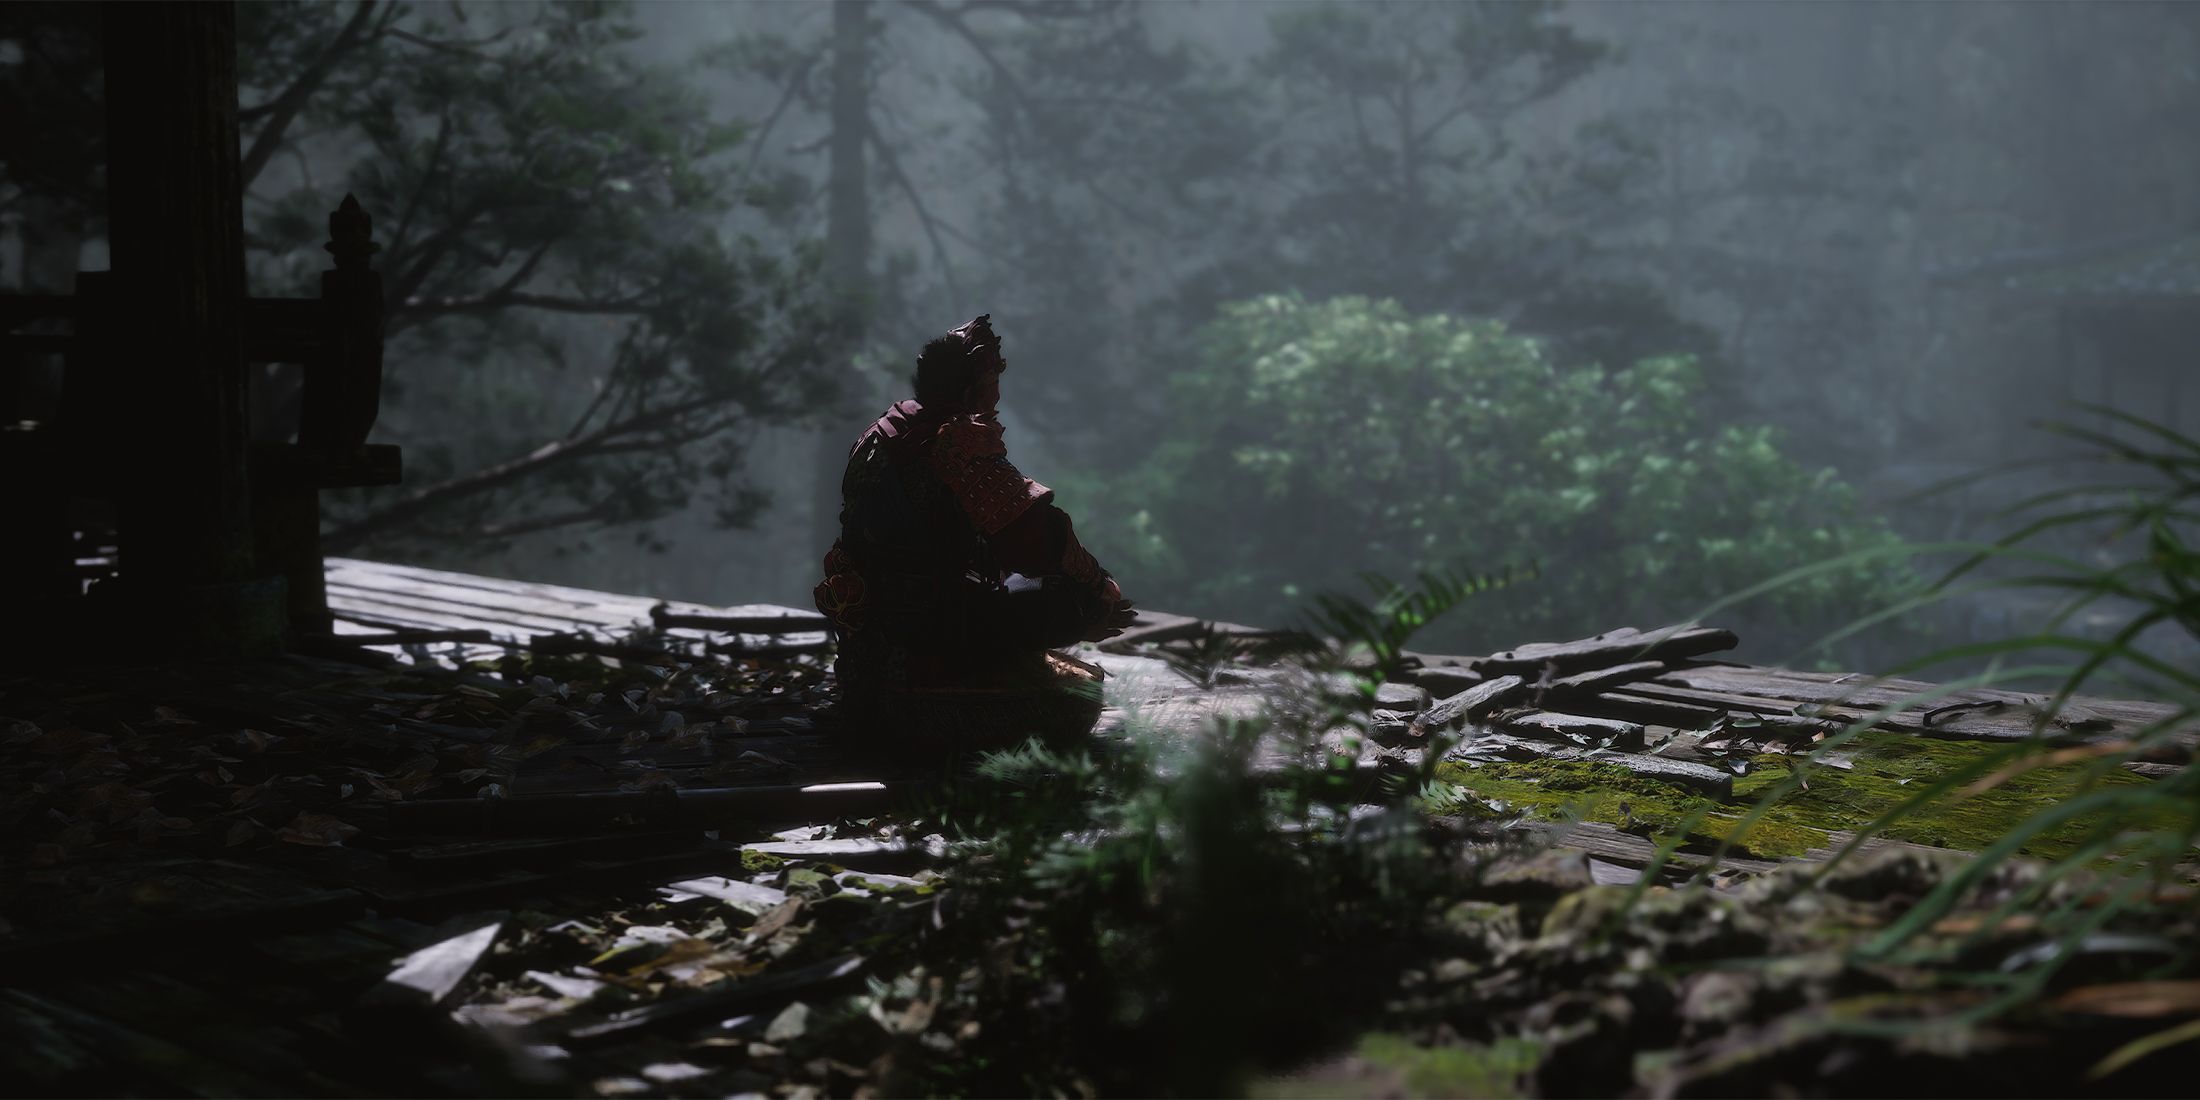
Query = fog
x=1894 y=235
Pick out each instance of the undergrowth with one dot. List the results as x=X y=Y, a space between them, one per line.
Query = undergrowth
x=2121 y=849
x=1173 y=919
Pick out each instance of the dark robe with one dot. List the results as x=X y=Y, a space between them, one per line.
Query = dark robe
x=953 y=577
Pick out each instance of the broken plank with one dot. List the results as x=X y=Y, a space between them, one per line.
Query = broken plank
x=1717 y=700
x=1680 y=773
x=761 y=619
x=595 y=603
x=505 y=623
x=1470 y=704
x=765 y=991
x=1597 y=679
x=1616 y=647
x=789 y=645
x=1636 y=708
x=1443 y=680
x=1551 y=724
x=486 y=602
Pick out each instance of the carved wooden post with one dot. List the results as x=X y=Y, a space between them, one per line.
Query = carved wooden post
x=340 y=397
x=343 y=389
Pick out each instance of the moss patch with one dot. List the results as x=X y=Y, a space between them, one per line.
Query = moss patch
x=1391 y=1065
x=1497 y=1070
x=1891 y=768
x=1888 y=768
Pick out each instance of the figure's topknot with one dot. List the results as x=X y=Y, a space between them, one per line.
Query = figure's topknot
x=951 y=364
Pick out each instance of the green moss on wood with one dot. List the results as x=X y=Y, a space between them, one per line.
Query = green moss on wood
x=1888 y=768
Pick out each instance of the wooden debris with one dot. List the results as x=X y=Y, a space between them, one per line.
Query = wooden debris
x=748 y=897
x=427 y=976
x=766 y=620
x=1710 y=781
x=1443 y=680
x=1619 y=646
x=1571 y=727
x=851 y=851
x=751 y=995
x=1597 y=679
x=1638 y=708
x=1470 y=704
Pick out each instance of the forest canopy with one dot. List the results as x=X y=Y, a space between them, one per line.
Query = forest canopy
x=1355 y=436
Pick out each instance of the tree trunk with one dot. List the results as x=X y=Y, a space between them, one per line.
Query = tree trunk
x=848 y=258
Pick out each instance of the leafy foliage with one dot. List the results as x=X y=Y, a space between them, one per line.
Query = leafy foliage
x=1382 y=440
x=551 y=214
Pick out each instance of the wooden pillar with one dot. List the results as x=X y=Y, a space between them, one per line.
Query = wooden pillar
x=176 y=239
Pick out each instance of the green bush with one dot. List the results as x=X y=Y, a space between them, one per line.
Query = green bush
x=1310 y=442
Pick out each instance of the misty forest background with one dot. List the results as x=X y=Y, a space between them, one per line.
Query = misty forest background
x=1660 y=299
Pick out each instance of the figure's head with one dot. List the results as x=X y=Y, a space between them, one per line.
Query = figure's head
x=962 y=370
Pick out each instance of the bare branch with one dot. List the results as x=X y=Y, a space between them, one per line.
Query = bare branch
x=786 y=98
x=427 y=173
x=887 y=157
x=284 y=108
x=461 y=48
x=505 y=298
x=952 y=19
x=649 y=430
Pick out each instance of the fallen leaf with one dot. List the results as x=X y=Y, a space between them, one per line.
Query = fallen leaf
x=2133 y=999
x=791 y=1022
x=320 y=830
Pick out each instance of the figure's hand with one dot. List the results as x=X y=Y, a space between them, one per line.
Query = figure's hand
x=1116 y=621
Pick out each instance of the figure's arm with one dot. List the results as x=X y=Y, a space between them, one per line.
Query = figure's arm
x=1027 y=533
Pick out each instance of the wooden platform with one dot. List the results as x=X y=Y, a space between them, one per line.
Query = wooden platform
x=302 y=823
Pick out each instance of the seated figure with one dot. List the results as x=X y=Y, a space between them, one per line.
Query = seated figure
x=955 y=575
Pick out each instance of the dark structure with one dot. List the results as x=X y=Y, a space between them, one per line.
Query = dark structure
x=135 y=496
x=954 y=574
x=2126 y=311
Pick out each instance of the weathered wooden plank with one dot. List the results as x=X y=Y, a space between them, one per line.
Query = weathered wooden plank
x=767 y=990
x=1696 y=777
x=753 y=619
x=1548 y=725
x=496 y=601
x=578 y=597
x=1598 y=679
x=1616 y=647
x=503 y=622
x=1443 y=680
x=1470 y=704
x=374 y=614
x=1635 y=708
x=1715 y=700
